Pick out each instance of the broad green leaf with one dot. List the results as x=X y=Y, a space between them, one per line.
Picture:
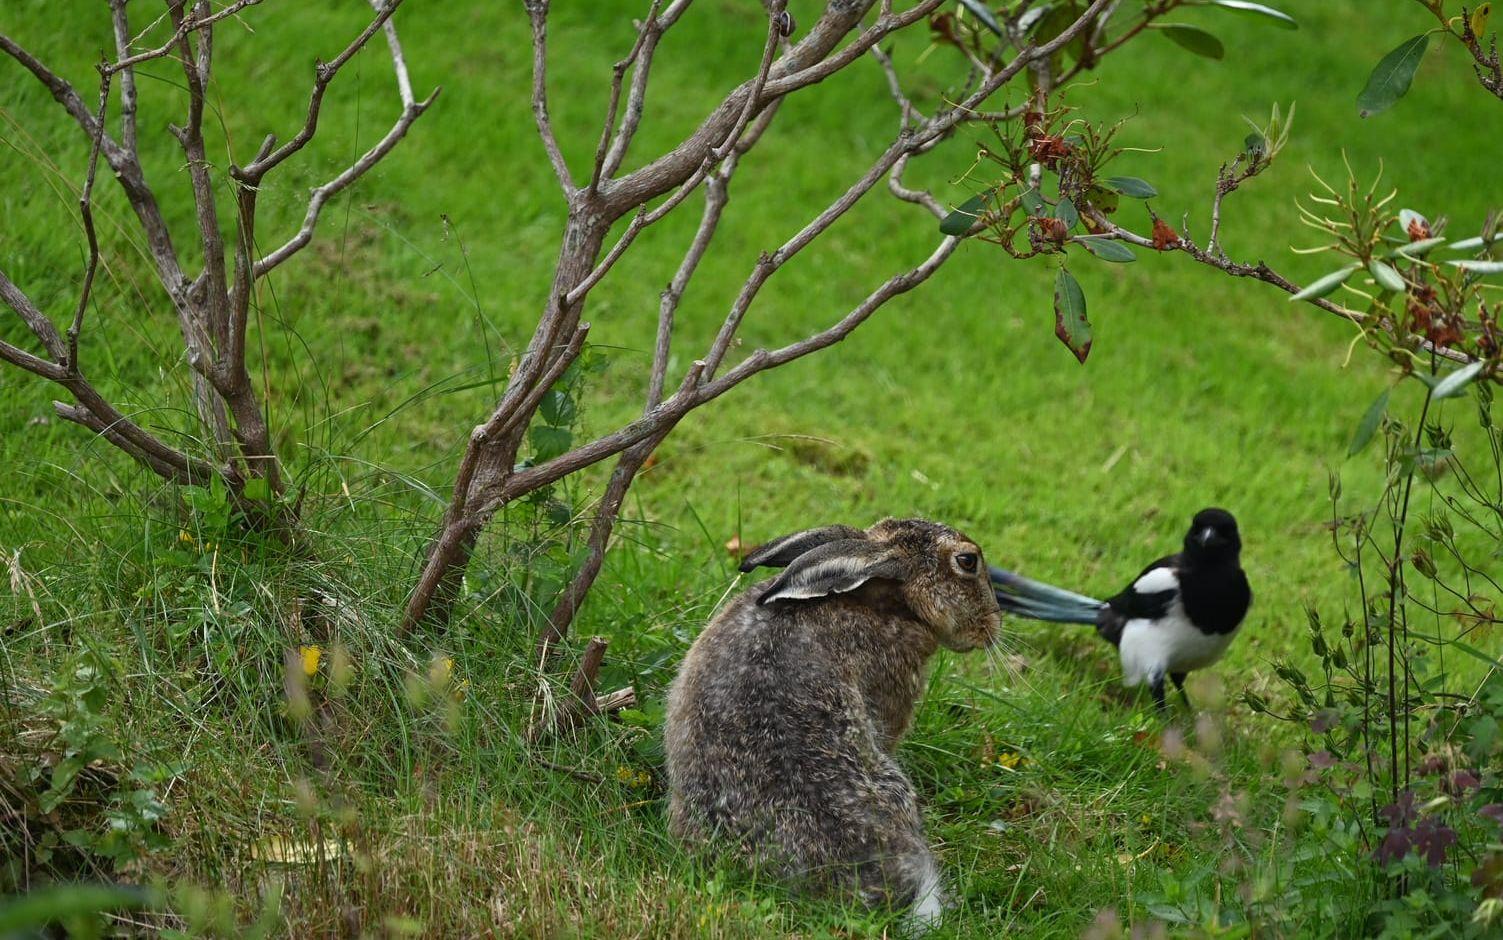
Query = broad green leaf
x=1391 y=78
x=1458 y=380
x=557 y=408
x=960 y=220
x=1471 y=650
x=1132 y=186
x=1387 y=277
x=257 y=490
x=1193 y=38
x=1070 y=323
x=1323 y=286
x=1279 y=17
x=1255 y=145
x=1416 y=249
x=31 y=913
x=549 y=442
x=1472 y=244
x=1033 y=203
x=1479 y=17
x=1106 y=249
x=1477 y=266
x=1067 y=213
x=1369 y=423
x=983 y=13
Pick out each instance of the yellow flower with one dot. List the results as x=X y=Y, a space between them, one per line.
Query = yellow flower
x=1145 y=819
x=624 y=774
x=310 y=656
x=1010 y=760
x=184 y=537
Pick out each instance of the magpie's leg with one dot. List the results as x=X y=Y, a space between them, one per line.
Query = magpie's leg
x=1179 y=683
x=1158 y=692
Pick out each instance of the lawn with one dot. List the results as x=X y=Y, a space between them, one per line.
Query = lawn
x=413 y=806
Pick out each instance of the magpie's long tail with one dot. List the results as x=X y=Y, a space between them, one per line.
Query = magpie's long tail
x=1037 y=601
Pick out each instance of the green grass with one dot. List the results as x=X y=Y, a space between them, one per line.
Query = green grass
x=955 y=402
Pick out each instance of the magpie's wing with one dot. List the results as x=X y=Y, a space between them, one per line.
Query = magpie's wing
x=1151 y=593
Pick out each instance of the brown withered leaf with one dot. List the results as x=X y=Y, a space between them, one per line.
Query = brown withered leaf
x=1419 y=230
x=1164 y=235
x=1053 y=230
x=733 y=547
x=1049 y=149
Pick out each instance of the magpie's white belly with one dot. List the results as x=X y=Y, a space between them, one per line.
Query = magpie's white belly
x=1167 y=645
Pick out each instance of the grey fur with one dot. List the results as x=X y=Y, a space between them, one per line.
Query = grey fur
x=784 y=717
x=779 y=552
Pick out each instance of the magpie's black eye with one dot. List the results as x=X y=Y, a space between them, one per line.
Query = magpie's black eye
x=967 y=562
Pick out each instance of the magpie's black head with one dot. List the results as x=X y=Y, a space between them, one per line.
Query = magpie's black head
x=1213 y=536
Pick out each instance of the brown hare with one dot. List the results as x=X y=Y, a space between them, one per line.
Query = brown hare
x=785 y=714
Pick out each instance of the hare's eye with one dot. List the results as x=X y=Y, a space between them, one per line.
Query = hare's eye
x=967 y=562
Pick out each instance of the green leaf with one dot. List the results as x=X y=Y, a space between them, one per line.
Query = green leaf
x=1472 y=244
x=557 y=408
x=983 y=13
x=1387 y=277
x=1477 y=266
x=548 y=443
x=1132 y=186
x=1070 y=323
x=1325 y=285
x=1369 y=423
x=1067 y=213
x=1106 y=249
x=257 y=490
x=960 y=220
x=1257 y=9
x=1255 y=145
x=1391 y=78
x=1471 y=650
x=1033 y=203
x=28 y=914
x=1416 y=249
x=1193 y=38
x=1452 y=384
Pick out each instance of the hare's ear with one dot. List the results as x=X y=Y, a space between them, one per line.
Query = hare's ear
x=779 y=552
x=834 y=568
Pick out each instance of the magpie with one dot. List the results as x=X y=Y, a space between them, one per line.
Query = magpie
x=1179 y=615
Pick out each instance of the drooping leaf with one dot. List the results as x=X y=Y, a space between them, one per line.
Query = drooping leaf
x=1391 y=79
x=1323 y=286
x=1416 y=249
x=1369 y=423
x=1452 y=384
x=983 y=13
x=1193 y=38
x=1472 y=244
x=963 y=216
x=1106 y=249
x=1479 y=19
x=1132 y=186
x=1386 y=275
x=1067 y=213
x=1477 y=266
x=1279 y=17
x=1070 y=323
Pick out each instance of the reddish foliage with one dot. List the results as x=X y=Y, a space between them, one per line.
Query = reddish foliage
x=1164 y=235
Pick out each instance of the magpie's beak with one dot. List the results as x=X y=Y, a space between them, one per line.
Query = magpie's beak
x=1209 y=537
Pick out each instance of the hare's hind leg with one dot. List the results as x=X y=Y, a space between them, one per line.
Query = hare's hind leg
x=928 y=898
